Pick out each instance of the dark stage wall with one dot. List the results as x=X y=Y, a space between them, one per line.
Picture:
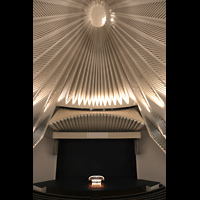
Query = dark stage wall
x=86 y=157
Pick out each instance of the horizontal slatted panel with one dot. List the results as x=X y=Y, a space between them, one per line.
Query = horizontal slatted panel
x=77 y=120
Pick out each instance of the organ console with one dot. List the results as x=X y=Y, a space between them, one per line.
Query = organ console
x=96 y=181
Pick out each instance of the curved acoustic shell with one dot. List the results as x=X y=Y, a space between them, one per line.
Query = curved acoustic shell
x=84 y=120
x=114 y=58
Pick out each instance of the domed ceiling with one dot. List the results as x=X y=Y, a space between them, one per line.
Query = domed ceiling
x=100 y=55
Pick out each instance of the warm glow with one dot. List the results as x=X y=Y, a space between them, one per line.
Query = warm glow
x=46 y=107
x=103 y=20
x=159 y=102
x=98 y=16
x=100 y=100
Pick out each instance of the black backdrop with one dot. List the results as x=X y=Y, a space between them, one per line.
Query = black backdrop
x=86 y=157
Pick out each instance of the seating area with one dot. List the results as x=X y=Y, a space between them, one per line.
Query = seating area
x=151 y=195
x=47 y=196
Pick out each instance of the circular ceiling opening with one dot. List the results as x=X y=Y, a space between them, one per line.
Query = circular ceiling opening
x=98 y=16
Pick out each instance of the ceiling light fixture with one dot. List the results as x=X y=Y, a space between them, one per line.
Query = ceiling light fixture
x=98 y=15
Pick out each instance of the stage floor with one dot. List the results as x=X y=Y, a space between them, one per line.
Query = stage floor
x=79 y=186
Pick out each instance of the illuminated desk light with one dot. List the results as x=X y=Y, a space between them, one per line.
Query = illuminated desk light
x=96 y=180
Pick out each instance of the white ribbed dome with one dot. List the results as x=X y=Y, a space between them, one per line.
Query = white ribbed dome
x=114 y=59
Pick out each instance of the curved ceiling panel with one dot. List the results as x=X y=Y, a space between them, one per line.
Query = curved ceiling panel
x=114 y=58
x=101 y=65
x=98 y=121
